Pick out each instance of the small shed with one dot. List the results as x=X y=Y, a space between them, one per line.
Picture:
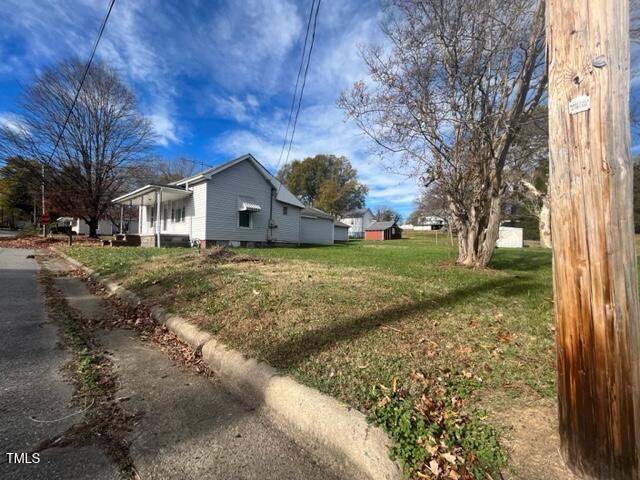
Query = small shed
x=510 y=237
x=340 y=231
x=383 y=231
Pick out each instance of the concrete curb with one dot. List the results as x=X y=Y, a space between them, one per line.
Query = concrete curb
x=336 y=434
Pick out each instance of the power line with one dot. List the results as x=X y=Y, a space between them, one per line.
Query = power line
x=304 y=82
x=295 y=90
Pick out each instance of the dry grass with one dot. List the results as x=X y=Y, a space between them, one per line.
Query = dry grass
x=348 y=318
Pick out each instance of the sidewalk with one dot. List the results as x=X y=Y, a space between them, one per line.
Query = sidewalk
x=189 y=427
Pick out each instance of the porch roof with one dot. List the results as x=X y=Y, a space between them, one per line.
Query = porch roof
x=147 y=195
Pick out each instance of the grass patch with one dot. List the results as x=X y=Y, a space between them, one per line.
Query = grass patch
x=347 y=319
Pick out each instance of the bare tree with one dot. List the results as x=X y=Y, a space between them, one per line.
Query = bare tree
x=105 y=136
x=449 y=100
x=160 y=170
x=387 y=214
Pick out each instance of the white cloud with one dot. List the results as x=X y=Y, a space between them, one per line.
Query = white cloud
x=211 y=61
x=321 y=129
x=235 y=108
x=12 y=122
x=164 y=128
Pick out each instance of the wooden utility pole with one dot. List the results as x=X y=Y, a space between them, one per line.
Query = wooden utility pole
x=594 y=259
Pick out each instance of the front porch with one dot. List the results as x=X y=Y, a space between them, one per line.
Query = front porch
x=165 y=216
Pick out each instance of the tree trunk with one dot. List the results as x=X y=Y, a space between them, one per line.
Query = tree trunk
x=544 y=223
x=541 y=200
x=93 y=227
x=478 y=234
x=594 y=260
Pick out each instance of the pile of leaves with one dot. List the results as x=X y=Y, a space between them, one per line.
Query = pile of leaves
x=434 y=435
x=35 y=242
x=222 y=255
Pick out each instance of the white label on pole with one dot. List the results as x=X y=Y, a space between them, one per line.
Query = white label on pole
x=579 y=104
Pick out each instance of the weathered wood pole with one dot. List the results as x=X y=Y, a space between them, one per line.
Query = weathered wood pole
x=594 y=260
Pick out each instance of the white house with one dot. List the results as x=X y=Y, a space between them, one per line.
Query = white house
x=358 y=220
x=427 y=223
x=238 y=203
x=80 y=227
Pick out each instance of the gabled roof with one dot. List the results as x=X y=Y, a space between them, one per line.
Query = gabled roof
x=357 y=213
x=316 y=212
x=284 y=195
x=375 y=226
x=338 y=223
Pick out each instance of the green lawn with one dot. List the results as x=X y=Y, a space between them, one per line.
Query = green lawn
x=393 y=328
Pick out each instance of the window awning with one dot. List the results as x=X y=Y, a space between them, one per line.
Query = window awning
x=249 y=207
x=246 y=204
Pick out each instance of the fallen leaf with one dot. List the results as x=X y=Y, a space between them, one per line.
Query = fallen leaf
x=434 y=467
x=449 y=458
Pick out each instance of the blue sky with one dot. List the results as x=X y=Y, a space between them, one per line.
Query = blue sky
x=215 y=78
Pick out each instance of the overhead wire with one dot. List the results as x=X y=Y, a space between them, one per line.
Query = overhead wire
x=295 y=90
x=304 y=83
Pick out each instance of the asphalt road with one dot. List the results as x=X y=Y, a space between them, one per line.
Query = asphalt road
x=34 y=397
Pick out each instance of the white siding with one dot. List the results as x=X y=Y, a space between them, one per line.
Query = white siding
x=357 y=225
x=223 y=191
x=105 y=227
x=174 y=226
x=317 y=231
x=340 y=234
x=288 y=230
x=197 y=211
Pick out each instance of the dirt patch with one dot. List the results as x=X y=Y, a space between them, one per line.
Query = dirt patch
x=533 y=440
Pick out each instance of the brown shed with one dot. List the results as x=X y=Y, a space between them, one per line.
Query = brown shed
x=382 y=231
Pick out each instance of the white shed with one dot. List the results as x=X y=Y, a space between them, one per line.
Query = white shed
x=80 y=227
x=510 y=237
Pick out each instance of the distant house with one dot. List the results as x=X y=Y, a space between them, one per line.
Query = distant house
x=237 y=203
x=105 y=226
x=383 y=231
x=80 y=227
x=432 y=222
x=358 y=220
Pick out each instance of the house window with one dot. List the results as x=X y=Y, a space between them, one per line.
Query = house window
x=244 y=219
x=285 y=210
x=177 y=215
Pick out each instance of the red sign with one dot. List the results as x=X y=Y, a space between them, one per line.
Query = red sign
x=44 y=219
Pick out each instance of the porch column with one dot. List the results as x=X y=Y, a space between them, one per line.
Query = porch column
x=121 y=219
x=158 y=202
